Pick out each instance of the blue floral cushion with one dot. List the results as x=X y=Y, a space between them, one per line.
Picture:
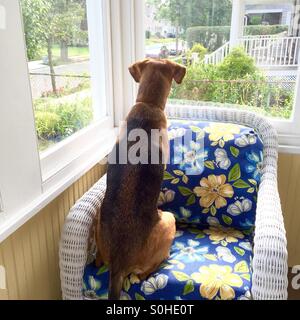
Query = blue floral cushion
x=214 y=171
x=213 y=263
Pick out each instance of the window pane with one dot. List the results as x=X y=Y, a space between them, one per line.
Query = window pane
x=250 y=62
x=56 y=33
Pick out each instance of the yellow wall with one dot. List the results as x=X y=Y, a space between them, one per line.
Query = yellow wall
x=289 y=189
x=30 y=255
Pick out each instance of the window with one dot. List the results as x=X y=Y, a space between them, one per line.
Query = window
x=232 y=58
x=56 y=122
x=57 y=41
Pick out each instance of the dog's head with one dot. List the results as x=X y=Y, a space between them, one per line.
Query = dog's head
x=166 y=69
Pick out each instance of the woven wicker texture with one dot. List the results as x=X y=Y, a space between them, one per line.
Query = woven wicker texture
x=269 y=280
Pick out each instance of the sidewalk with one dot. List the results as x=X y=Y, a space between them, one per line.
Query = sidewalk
x=35 y=65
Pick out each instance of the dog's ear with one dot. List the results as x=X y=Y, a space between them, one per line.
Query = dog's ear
x=137 y=69
x=179 y=73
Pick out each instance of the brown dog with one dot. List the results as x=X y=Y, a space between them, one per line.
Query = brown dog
x=133 y=236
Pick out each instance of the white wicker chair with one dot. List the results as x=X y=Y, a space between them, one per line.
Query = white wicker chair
x=270 y=268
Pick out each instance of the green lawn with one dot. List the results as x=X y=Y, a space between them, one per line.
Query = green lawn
x=151 y=41
x=73 y=52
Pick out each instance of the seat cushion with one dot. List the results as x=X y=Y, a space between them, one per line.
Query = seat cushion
x=213 y=263
x=214 y=171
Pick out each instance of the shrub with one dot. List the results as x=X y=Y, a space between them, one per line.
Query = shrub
x=215 y=36
x=211 y=37
x=236 y=81
x=47 y=124
x=57 y=118
x=237 y=65
x=265 y=29
x=198 y=48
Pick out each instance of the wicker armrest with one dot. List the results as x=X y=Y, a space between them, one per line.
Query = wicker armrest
x=73 y=248
x=269 y=280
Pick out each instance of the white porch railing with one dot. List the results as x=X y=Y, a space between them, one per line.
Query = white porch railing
x=218 y=55
x=270 y=52
x=267 y=51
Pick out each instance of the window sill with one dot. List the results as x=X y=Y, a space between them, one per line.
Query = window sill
x=11 y=221
x=289 y=144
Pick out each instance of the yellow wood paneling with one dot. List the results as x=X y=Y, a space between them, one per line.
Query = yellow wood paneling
x=30 y=255
x=289 y=189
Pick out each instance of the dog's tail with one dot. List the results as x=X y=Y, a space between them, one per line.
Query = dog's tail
x=116 y=280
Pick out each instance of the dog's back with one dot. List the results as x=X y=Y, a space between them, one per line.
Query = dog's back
x=129 y=212
x=129 y=209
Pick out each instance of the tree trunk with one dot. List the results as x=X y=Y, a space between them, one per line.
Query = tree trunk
x=51 y=66
x=64 y=55
x=177 y=39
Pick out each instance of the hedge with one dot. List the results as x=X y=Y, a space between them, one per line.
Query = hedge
x=214 y=37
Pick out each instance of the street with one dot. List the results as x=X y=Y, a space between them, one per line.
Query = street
x=41 y=81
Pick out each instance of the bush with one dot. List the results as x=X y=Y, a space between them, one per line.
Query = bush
x=198 y=48
x=214 y=37
x=265 y=29
x=211 y=37
x=236 y=81
x=237 y=65
x=57 y=118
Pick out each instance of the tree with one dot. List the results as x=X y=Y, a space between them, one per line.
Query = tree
x=172 y=11
x=68 y=16
x=49 y=21
x=34 y=14
x=189 y=13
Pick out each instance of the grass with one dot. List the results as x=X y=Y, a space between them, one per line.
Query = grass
x=82 y=52
x=58 y=117
x=152 y=41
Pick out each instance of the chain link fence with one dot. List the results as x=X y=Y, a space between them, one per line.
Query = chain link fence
x=41 y=84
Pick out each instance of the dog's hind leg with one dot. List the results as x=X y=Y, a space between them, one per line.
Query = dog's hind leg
x=158 y=245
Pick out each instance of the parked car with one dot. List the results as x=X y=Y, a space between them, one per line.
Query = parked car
x=174 y=53
x=171 y=35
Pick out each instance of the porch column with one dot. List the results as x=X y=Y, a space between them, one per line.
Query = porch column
x=237 y=22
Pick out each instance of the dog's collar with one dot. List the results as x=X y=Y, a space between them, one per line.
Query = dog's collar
x=150 y=104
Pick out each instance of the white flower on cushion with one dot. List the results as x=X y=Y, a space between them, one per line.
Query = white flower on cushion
x=222 y=159
x=246 y=296
x=239 y=207
x=225 y=254
x=154 y=283
x=246 y=245
x=245 y=140
x=165 y=197
x=176 y=133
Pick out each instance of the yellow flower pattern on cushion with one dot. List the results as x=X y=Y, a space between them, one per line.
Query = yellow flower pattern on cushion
x=225 y=131
x=219 y=133
x=216 y=279
x=214 y=190
x=219 y=233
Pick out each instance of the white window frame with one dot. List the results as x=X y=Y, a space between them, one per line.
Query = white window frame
x=62 y=159
x=28 y=180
